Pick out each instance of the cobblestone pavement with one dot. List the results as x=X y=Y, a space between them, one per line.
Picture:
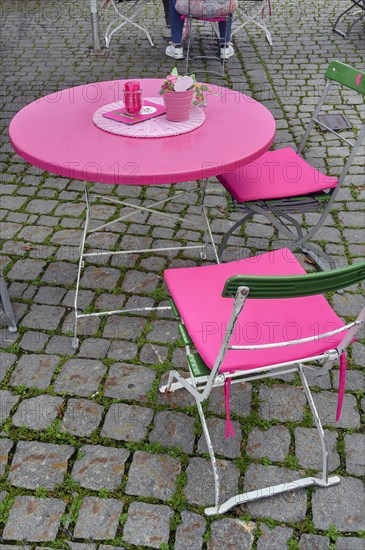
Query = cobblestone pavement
x=91 y=456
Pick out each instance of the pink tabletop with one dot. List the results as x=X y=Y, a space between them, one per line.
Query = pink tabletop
x=56 y=133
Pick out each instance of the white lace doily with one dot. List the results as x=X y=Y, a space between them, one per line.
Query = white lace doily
x=151 y=128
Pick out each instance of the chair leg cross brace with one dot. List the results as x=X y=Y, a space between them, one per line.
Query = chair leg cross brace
x=269 y=492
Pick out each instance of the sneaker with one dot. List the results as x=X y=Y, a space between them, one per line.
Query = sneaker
x=226 y=51
x=166 y=32
x=175 y=50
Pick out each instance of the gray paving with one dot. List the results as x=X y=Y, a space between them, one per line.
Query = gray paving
x=92 y=456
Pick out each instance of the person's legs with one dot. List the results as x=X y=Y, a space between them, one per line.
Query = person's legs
x=176 y=24
x=225 y=28
x=175 y=49
x=226 y=48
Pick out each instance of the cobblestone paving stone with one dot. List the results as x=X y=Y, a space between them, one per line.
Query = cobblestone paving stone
x=99 y=467
x=231 y=533
x=313 y=542
x=34 y=519
x=271 y=539
x=98 y=518
x=147 y=524
x=92 y=456
x=189 y=534
x=38 y=464
x=81 y=417
x=37 y=413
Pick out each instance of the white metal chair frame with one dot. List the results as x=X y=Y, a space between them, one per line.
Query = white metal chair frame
x=132 y=7
x=200 y=388
x=90 y=198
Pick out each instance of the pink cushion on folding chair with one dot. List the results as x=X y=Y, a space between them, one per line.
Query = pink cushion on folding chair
x=197 y=293
x=275 y=175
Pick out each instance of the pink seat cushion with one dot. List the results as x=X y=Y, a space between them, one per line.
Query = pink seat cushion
x=274 y=175
x=197 y=291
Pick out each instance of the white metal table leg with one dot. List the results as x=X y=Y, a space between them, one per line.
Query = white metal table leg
x=135 y=208
x=75 y=340
x=8 y=308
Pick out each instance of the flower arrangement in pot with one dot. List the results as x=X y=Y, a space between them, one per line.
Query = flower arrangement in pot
x=179 y=93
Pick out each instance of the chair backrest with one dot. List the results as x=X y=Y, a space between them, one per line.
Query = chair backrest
x=347 y=76
x=353 y=79
x=205 y=9
x=295 y=286
x=241 y=287
x=261 y=287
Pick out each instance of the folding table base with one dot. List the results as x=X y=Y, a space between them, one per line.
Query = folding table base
x=202 y=247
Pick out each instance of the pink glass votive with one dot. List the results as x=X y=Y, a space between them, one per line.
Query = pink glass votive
x=133 y=98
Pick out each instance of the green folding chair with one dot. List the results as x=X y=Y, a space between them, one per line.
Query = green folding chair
x=257 y=318
x=281 y=183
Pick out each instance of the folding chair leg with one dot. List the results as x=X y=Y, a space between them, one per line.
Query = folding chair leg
x=323 y=481
x=230 y=232
x=346 y=34
x=173 y=386
x=211 y=453
x=318 y=423
x=128 y=18
x=355 y=23
x=323 y=260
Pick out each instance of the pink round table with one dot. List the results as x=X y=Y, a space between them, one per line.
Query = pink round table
x=56 y=133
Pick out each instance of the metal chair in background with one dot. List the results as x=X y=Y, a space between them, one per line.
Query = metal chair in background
x=251 y=13
x=125 y=13
x=355 y=4
x=208 y=11
x=281 y=183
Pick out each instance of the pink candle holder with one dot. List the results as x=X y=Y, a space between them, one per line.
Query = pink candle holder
x=133 y=98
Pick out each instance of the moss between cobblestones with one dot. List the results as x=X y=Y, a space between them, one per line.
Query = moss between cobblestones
x=71 y=491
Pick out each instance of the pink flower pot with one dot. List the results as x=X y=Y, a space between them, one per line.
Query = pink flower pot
x=178 y=105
